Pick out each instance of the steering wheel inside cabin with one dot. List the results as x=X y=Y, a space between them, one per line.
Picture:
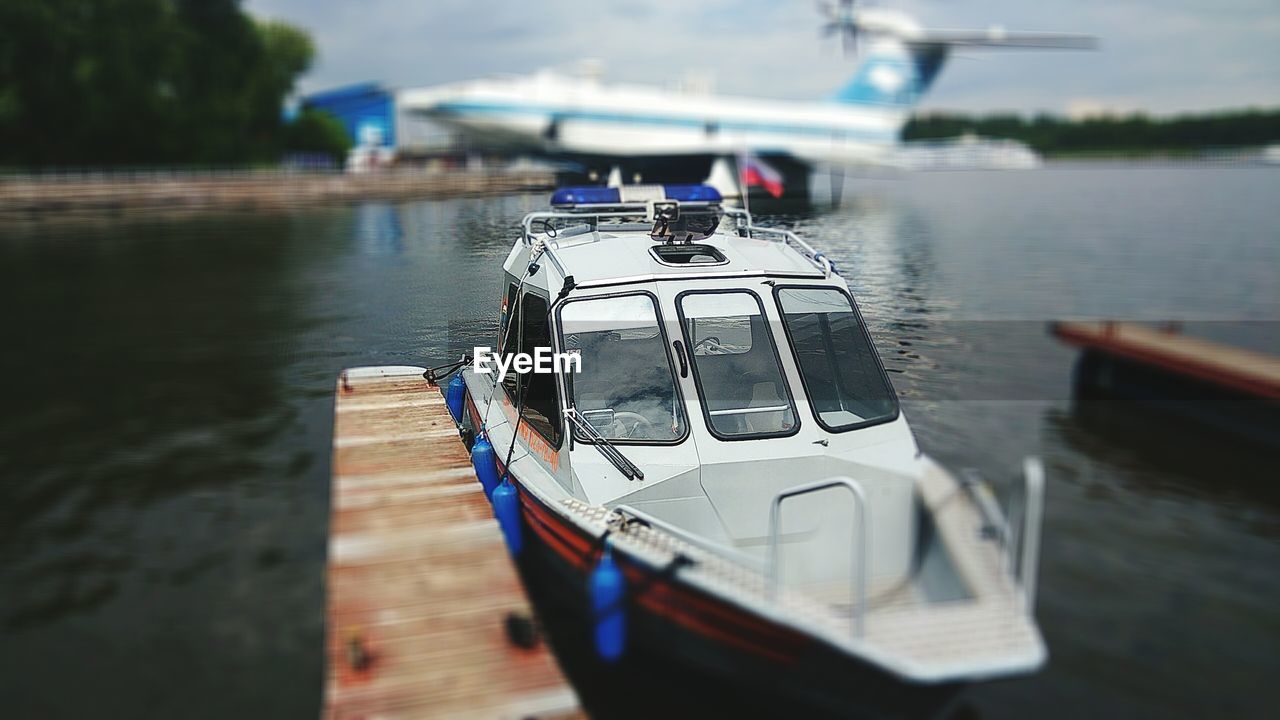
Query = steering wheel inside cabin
x=637 y=420
x=709 y=342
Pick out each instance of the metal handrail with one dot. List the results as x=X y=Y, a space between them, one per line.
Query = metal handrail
x=739 y=214
x=689 y=537
x=1018 y=532
x=540 y=250
x=750 y=410
x=531 y=218
x=808 y=251
x=1029 y=531
x=588 y=218
x=859 y=570
x=814 y=255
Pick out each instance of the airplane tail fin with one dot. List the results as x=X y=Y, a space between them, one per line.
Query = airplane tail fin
x=900 y=65
x=894 y=74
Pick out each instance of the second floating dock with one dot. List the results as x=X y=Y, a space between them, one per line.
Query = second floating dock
x=1243 y=371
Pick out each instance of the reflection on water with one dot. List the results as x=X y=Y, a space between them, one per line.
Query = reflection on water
x=379 y=228
x=168 y=419
x=1166 y=456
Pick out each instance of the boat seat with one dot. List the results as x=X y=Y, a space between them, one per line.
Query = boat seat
x=765 y=394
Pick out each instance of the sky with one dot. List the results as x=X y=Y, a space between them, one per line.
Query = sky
x=1156 y=56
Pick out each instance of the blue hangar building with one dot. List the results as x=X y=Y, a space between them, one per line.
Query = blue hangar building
x=366 y=110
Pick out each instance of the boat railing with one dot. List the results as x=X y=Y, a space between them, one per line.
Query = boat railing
x=693 y=539
x=858 y=576
x=812 y=254
x=1018 y=531
x=1030 y=517
x=591 y=220
x=587 y=218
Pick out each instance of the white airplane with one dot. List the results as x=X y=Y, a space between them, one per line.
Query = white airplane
x=670 y=136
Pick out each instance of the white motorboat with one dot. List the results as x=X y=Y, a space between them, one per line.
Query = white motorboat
x=725 y=510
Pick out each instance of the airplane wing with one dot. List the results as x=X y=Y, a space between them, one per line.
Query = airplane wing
x=997 y=37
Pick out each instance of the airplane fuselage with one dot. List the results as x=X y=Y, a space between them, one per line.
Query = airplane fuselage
x=559 y=115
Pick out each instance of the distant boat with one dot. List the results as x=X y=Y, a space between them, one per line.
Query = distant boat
x=967 y=152
x=1271 y=155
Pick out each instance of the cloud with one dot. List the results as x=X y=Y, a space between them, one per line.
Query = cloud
x=1157 y=55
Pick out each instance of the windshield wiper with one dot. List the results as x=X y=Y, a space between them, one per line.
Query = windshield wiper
x=606 y=448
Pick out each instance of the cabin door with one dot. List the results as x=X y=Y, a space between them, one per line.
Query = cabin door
x=750 y=415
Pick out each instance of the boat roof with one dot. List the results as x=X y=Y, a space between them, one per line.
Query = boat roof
x=603 y=236
x=626 y=254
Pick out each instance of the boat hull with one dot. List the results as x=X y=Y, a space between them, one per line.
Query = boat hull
x=689 y=654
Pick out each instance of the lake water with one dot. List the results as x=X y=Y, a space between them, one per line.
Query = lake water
x=164 y=447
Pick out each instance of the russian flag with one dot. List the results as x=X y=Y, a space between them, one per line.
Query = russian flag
x=758 y=173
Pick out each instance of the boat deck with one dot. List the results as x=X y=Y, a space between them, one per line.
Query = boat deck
x=989 y=633
x=419 y=580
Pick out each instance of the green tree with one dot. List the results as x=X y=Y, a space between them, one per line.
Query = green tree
x=141 y=81
x=287 y=53
x=1136 y=132
x=316 y=131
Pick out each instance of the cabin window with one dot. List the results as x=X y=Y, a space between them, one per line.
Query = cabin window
x=626 y=388
x=541 y=403
x=841 y=372
x=735 y=365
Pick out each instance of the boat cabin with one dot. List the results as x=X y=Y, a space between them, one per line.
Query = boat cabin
x=723 y=361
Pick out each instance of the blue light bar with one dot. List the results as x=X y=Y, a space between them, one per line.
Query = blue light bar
x=692 y=193
x=570 y=197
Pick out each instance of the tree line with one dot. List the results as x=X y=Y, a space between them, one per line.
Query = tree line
x=108 y=82
x=1132 y=133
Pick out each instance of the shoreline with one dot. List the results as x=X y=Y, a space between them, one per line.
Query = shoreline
x=41 y=196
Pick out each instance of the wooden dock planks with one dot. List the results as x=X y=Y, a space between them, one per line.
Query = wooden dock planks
x=1245 y=371
x=419 y=581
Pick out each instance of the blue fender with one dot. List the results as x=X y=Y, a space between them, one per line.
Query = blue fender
x=485 y=461
x=455 y=395
x=608 y=597
x=506 y=506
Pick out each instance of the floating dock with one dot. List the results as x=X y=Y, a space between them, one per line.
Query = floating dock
x=1227 y=388
x=1243 y=371
x=420 y=585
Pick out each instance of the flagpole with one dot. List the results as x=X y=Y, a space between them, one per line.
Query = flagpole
x=742 y=180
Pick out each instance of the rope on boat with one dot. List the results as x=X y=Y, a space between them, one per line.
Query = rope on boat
x=433 y=375
x=515 y=431
x=667 y=572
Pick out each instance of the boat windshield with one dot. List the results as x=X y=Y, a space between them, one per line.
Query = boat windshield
x=626 y=388
x=838 y=365
x=736 y=365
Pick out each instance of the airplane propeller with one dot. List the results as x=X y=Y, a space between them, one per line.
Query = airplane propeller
x=841 y=19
